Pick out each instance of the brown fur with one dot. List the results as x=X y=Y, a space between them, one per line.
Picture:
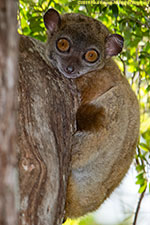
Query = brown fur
x=108 y=117
x=110 y=97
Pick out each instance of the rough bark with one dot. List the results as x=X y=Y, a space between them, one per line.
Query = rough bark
x=46 y=122
x=8 y=76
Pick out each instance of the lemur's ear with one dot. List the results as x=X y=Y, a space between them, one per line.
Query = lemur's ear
x=114 y=45
x=52 y=20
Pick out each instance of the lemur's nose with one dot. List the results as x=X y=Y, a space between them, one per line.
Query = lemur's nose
x=69 y=69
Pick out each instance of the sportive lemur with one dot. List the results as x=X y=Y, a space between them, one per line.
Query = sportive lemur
x=104 y=144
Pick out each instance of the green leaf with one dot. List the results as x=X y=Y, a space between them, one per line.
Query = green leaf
x=115 y=10
x=140 y=181
x=145 y=147
x=143 y=187
x=139 y=176
x=148 y=88
x=139 y=168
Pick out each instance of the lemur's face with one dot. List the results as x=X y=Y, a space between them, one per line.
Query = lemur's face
x=77 y=44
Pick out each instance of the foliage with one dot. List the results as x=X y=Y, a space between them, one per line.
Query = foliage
x=133 y=23
x=88 y=220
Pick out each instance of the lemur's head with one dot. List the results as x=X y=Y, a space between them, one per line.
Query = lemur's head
x=78 y=44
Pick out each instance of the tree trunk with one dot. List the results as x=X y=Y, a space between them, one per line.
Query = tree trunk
x=46 y=123
x=8 y=76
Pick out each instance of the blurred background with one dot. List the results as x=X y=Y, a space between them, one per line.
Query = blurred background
x=133 y=23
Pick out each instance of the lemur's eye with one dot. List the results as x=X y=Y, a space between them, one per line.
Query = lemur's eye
x=91 y=56
x=63 y=45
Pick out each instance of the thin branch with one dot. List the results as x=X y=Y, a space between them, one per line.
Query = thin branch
x=142 y=194
x=124 y=66
x=138 y=207
x=132 y=78
x=142 y=161
x=134 y=73
x=139 y=85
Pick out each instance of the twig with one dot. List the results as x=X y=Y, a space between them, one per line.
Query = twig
x=132 y=78
x=142 y=194
x=138 y=207
x=124 y=65
x=142 y=161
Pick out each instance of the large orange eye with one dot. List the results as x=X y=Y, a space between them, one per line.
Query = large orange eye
x=91 y=55
x=63 y=45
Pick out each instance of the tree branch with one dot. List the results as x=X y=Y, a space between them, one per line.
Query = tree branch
x=138 y=207
x=8 y=77
x=46 y=121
